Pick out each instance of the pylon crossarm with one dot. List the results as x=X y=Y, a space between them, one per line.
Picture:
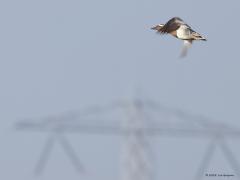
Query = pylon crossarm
x=116 y=130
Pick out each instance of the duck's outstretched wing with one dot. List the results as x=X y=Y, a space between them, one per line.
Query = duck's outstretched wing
x=172 y=25
x=186 y=45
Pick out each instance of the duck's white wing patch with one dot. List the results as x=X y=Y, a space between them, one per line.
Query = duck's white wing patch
x=186 y=45
x=183 y=32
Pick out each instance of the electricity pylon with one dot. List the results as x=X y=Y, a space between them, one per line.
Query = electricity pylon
x=137 y=155
x=144 y=118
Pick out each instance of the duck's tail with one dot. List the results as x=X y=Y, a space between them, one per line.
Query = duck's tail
x=197 y=36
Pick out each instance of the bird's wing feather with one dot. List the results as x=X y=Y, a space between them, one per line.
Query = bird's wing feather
x=186 y=45
x=172 y=25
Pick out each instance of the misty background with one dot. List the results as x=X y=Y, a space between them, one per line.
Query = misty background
x=58 y=56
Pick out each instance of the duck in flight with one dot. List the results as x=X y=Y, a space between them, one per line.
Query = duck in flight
x=179 y=29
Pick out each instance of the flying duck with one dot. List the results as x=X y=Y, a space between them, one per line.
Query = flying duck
x=179 y=29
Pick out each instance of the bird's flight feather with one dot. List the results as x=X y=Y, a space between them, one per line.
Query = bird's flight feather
x=186 y=45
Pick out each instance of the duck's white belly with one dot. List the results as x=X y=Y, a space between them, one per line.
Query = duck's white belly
x=183 y=32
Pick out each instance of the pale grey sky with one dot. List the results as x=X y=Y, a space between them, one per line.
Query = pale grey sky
x=61 y=55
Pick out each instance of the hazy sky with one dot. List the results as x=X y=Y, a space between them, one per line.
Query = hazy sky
x=61 y=55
